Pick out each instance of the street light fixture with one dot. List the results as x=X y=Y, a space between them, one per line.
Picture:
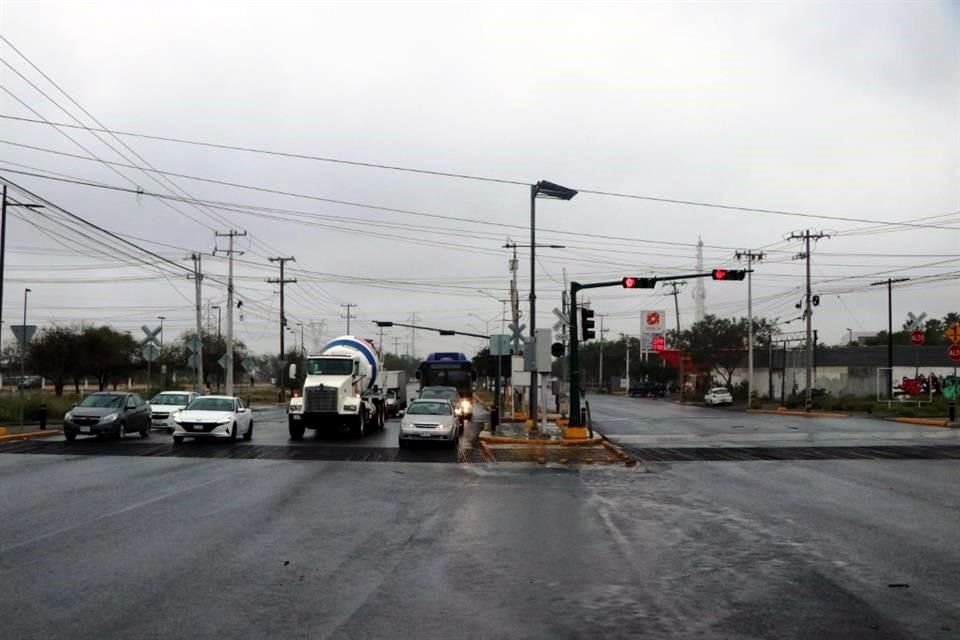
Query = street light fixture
x=542 y=189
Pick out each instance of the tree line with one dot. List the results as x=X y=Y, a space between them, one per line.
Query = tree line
x=70 y=355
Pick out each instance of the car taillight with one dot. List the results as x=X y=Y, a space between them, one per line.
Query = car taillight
x=296 y=394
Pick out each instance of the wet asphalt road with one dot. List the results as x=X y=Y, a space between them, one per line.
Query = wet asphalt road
x=102 y=546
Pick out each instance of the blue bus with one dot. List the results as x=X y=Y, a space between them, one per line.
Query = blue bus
x=448 y=369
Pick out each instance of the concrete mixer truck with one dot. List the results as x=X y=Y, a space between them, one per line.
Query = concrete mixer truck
x=339 y=390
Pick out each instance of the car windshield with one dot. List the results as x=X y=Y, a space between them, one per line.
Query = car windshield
x=329 y=366
x=102 y=401
x=181 y=399
x=719 y=390
x=438 y=393
x=429 y=409
x=211 y=404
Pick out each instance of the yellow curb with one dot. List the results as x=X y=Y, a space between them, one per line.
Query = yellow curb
x=3 y=431
x=566 y=442
x=30 y=434
x=574 y=433
x=927 y=422
x=627 y=459
x=487 y=453
x=803 y=414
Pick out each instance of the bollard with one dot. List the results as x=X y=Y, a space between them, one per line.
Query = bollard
x=494 y=418
x=952 y=412
x=43 y=416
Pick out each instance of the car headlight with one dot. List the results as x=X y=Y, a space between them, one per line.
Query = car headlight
x=176 y=417
x=68 y=417
x=349 y=407
x=225 y=420
x=110 y=417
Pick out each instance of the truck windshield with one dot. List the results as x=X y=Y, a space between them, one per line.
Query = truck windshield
x=329 y=366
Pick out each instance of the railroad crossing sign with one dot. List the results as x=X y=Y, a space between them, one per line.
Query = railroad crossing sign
x=917 y=337
x=152 y=335
x=562 y=320
x=953 y=333
x=516 y=331
x=913 y=322
x=953 y=352
x=150 y=351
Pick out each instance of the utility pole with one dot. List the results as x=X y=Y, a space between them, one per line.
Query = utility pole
x=675 y=286
x=626 y=341
x=750 y=257
x=807 y=236
x=3 y=238
x=198 y=279
x=889 y=282
x=349 y=315
x=283 y=319
x=229 y=350
x=600 y=334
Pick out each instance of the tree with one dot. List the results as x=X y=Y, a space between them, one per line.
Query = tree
x=106 y=354
x=719 y=344
x=53 y=353
x=213 y=349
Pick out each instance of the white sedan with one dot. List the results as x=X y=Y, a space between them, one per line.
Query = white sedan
x=165 y=404
x=223 y=417
x=718 y=395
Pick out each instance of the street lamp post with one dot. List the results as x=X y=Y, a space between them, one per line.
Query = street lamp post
x=163 y=367
x=23 y=351
x=542 y=189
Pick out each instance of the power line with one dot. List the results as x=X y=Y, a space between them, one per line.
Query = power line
x=464 y=176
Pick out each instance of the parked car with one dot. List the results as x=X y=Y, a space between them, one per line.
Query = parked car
x=30 y=382
x=108 y=413
x=718 y=395
x=648 y=390
x=430 y=419
x=215 y=417
x=462 y=407
x=165 y=404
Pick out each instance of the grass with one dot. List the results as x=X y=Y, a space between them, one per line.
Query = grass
x=32 y=402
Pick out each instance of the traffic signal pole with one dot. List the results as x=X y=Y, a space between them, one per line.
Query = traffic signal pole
x=629 y=283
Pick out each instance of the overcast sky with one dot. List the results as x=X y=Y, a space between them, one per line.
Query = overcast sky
x=843 y=110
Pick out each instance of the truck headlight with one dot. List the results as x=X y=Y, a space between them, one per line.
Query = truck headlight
x=349 y=407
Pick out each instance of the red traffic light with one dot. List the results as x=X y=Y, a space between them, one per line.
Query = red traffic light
x=729 y=274
x=631 y=282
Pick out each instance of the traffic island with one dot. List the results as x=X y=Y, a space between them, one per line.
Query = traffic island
x=782 y=411
x=27 y=432
x=930 y=422
x=557 y=444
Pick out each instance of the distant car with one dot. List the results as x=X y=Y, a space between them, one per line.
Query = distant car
x=462 y=407
x=108 y=413
x=30 y=382
x=431 y=419
x=165 y=404
x=214 y=417
x=718 y=395
x=648 y=390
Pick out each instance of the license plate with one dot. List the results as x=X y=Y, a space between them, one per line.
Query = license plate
x=84 y=429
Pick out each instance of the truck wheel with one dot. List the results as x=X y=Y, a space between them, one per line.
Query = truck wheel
x=296 y=430
x=382 y=421
x=359 y=427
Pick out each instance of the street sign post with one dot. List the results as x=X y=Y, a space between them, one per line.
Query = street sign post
x=917 y=337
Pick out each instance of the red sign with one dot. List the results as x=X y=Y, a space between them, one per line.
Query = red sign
x=953 y=352
x=659 y=343
x=916 y=338
x=653 y=319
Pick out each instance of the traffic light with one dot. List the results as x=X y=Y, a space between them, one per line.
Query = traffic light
x=729 y=274
x=631 y=282
x=815 y=300
x=587 y=324
x=557 y=349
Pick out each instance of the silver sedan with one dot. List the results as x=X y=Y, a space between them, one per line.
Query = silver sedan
x=429 y=420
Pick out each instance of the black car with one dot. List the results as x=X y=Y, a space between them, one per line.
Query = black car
x=648 y=390
x=107 y=413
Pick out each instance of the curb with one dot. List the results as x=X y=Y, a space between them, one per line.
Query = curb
x=626 y=458
x=803 y=414
x=28 y=435
x=566 y=442
x=928 y=422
